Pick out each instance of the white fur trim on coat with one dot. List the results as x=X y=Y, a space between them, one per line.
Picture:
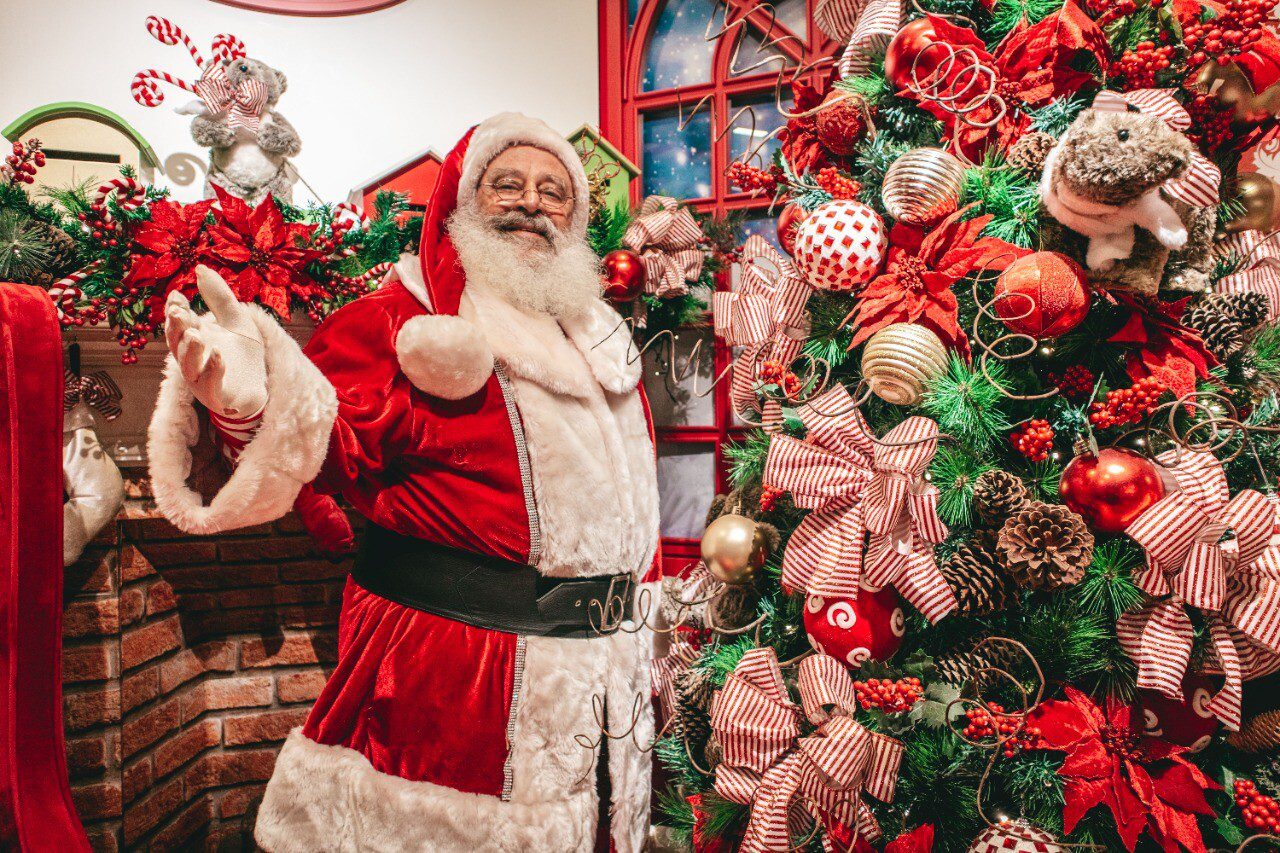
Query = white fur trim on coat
x=285 y=453
x=504 y=130
x=444 y=355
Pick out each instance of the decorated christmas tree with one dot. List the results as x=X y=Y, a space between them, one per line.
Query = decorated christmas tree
x=998 y=570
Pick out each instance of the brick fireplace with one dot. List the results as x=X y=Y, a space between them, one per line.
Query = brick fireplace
x=186 y=661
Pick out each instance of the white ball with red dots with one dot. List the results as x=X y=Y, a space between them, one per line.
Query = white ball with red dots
x=1015 y=836
x=840 y=246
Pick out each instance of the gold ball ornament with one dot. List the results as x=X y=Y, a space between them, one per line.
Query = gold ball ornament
x=899 y=360
x=1257 y=194
x=1231 y=88
x=923 y=186
x=733 y=549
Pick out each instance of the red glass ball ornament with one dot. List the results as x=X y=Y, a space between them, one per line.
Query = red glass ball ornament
x=841 y=123
x=623 y=275
x=1187 y=723
x=856 y=630
x=913 y=41
x=1111 y=489
x=788 y=221
x=1043 y=295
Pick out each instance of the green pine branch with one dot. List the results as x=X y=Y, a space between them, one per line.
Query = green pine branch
x=954 y=471
x=965 y=401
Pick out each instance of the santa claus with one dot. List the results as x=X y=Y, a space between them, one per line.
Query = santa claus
x=482 y=411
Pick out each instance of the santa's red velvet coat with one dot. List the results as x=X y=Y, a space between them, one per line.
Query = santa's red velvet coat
x=440 y=411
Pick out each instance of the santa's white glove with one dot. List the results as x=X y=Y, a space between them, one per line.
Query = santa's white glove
x=221 y=353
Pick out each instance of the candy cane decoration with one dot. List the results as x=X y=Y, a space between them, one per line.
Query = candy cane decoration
x=129 y=195
x=147 y=93
x=65 y=292
x=166 y=32
x=227 y=47
x=345 y=217
x=144 y=87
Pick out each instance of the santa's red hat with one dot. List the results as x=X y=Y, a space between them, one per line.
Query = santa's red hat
x=443 y=354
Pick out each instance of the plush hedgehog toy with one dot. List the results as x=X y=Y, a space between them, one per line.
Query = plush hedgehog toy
x=1104 y=189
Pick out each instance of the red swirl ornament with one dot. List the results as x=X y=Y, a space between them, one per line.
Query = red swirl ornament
x=856 y=630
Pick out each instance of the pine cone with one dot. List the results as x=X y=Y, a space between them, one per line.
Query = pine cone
x=1249 y=309
x=1258 y=734
x=1045 y=546
x=1222 y=333
x=997 y=495
x=973 y=572
x=965 y=665
x=62 y=250
x=1029 y=152
x=692 y=724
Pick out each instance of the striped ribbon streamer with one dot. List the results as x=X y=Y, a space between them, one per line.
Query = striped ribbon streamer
x=789 y=780
x=667 y=238
x=855 y=484
x=765 y=314
x=1199 y=185
x=865 y=26
x=1233 y=583
x=664 y=671
x=234 y=434
x=1259 y=271
x=97 y=390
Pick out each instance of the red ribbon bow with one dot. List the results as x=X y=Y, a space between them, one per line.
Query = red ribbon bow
x=1259 y=270
x=1198 y=186
x=97 y=390
x=765 y=314
x=1235 y=584
x=246 y=101
x=865 y=26
x=666 y=236
x=788 y=779
x=854 y=483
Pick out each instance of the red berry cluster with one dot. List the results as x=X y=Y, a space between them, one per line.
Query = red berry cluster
x=1233 y=32
x=753 y=180
x=838 y=186
x=773 y=371
x=1210 y=123
x=1139 y=66
x=992 y=722
x=1033 y=439
x=1075 y=383
x=892 y=697
x=769 y=498
x=1260 y=812
x=20 y=166
x=1127 y=405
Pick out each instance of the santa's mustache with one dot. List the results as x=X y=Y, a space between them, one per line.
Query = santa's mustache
x=518 y=220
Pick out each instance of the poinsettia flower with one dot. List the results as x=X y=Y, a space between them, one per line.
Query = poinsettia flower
x=1145 y=782
x=267 y=256
x=1166 y=349
x=800 y=144
x=920 y=269
x=166 y=249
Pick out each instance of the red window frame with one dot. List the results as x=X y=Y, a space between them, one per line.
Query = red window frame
x=623 y=50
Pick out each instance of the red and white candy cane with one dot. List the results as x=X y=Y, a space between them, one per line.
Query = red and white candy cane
x=144 y=87
x=166 y=32
x=130 y=194
x=345 y=217
x=227 y=47
x=65 y=292
x=147 y=93
x=377 y=271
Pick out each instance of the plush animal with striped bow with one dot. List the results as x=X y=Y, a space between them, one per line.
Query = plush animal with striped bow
x=1127 y=192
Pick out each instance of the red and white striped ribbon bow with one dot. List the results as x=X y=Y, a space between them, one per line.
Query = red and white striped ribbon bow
x=1189 y=565
x=245 y=102
x=1259 y=270
x=666 y=236
x=865 y=26
x=789 y=780
x=1198 y=186
x=854 y=484
x=97 y=390
x=664 y=671
x=765 y=314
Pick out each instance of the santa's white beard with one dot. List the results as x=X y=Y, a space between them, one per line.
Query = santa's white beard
x=562 y=279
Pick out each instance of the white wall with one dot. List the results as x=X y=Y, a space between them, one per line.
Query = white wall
x=365 y=91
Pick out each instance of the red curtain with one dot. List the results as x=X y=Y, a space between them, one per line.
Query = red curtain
x=35 y=802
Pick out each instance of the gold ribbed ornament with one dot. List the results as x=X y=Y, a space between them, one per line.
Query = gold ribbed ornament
x=734 y=549
x=922 y=186
x=899 y=360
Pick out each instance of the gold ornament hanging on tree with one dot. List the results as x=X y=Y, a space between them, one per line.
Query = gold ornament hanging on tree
x=900 y=360
x=1230 y=87
x=1257 y=194
x=734 y=549
x=923 y=186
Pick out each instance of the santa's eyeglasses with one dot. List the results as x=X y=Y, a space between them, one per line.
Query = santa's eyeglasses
x=551 y=198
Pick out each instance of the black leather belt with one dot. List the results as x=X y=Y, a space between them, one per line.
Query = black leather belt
x=488 y=592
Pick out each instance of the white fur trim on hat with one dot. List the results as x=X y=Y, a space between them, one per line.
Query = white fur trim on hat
x=444 y=355
x=498 y=133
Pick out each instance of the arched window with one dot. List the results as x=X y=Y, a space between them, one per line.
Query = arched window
x=656 y=64
x=84 y=143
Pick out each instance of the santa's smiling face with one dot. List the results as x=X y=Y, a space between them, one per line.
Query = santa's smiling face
x=526 y=195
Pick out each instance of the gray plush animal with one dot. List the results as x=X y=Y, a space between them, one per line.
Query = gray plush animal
x=1103 y=188
x=246 y=163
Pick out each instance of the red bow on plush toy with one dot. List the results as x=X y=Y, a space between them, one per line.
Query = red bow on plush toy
x=245 y=102
x=789 y=780
x=666 y=236
x=765 y=314
x=855 y=483
x=1235 y=584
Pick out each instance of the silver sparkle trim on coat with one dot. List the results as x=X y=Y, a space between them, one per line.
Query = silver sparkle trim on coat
x=517 y=682
x=526 y=471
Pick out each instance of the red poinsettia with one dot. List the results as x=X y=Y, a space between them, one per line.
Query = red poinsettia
x=267 y=257
x=166 y=250
x=1145 y=782
x=800 y=144
x=920 y=269
x=1167 y=350
x=918 y=840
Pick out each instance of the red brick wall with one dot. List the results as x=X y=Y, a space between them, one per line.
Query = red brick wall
x=186 y=661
